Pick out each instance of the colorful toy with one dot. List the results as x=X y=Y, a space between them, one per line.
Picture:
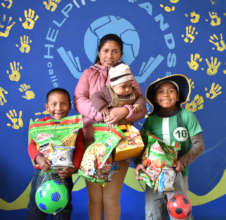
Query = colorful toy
x=51 y=197
x=179 y=206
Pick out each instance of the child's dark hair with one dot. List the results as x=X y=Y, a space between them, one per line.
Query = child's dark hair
x=109 y=37
x=58 y=90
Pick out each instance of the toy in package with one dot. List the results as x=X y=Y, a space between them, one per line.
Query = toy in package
x=97 y=162
x=130 y=146
x=158 y=160
x=55 y=139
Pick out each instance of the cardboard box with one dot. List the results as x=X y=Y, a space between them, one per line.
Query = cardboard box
x=129 y=147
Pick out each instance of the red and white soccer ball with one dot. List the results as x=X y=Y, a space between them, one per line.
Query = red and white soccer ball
x=179 y=206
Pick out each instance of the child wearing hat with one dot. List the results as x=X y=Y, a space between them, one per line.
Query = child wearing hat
x=119 y=93
x=171 y=123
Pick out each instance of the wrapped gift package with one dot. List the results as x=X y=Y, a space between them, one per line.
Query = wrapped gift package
x=130 y=146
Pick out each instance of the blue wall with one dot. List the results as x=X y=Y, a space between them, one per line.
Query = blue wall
x=45 y=44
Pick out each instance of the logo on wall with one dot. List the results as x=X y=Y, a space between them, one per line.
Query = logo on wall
x=124 y=28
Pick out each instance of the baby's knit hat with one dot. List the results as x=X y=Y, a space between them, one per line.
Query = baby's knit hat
x=119 y=74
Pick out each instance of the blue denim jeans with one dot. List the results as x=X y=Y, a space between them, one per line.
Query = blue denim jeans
x=34 y=213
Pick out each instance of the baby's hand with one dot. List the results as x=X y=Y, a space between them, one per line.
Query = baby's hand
x=138 y=168
x=137 y=108
x=178 y=166
x=105 y=112
x=65 y=172
x=43 y=162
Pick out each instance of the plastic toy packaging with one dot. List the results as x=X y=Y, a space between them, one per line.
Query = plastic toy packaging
x=158 y=160
x=97 y=162
x=55 y=139
x=131 y=146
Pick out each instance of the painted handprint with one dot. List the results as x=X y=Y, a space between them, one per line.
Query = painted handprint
x=16 y=121
x=15 y=67
x=193 y=64
x=3 y=92
x=190 y=34
x=215 y=20
x=51 y=5
x=194 y=17
x=24 y=46
x=30 y=19
x=7 y=3
x=167 y=8
x=219 y=43
x=29 y=94
x=213 y=66
x=5 y=26
x=196 y=104
x=214 y=91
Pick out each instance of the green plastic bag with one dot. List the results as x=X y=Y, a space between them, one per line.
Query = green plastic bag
x=97 y=160
x=156 y=157
x=55 y=139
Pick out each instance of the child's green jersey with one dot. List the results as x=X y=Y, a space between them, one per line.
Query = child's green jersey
x=177 y=128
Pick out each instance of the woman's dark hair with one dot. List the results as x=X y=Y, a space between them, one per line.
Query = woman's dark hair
x=109 y=37
x=58 y=90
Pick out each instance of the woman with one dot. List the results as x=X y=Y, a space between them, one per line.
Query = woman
x=110 y=51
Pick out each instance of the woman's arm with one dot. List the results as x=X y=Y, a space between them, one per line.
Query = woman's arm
x=82 y=100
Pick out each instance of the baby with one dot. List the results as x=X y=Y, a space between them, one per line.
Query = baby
x=119 y=93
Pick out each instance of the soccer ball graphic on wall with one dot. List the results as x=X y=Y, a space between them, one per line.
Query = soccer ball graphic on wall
x=114 y=25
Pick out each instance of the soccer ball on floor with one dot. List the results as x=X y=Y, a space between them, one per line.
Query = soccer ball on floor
x=179 y=206
x=51 y=197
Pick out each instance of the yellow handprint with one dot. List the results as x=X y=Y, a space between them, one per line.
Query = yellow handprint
x=51 y=5
x=30 y=19
x=192 y=83
x=190 y=32
x=24 y=44
x=5 y=28
x=214 y=91
x=213 y=66
x=29 y=94
x=167 y=8
x=174 y=1
x=215 y=20
x=194 y=63
x=7 y=3
x=219 y=43
x=2 y=96
x=196 y=104
x=194 y=17
x=15 y=71
x=17 y=122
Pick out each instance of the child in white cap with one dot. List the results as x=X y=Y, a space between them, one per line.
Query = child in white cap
x=119 y=93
